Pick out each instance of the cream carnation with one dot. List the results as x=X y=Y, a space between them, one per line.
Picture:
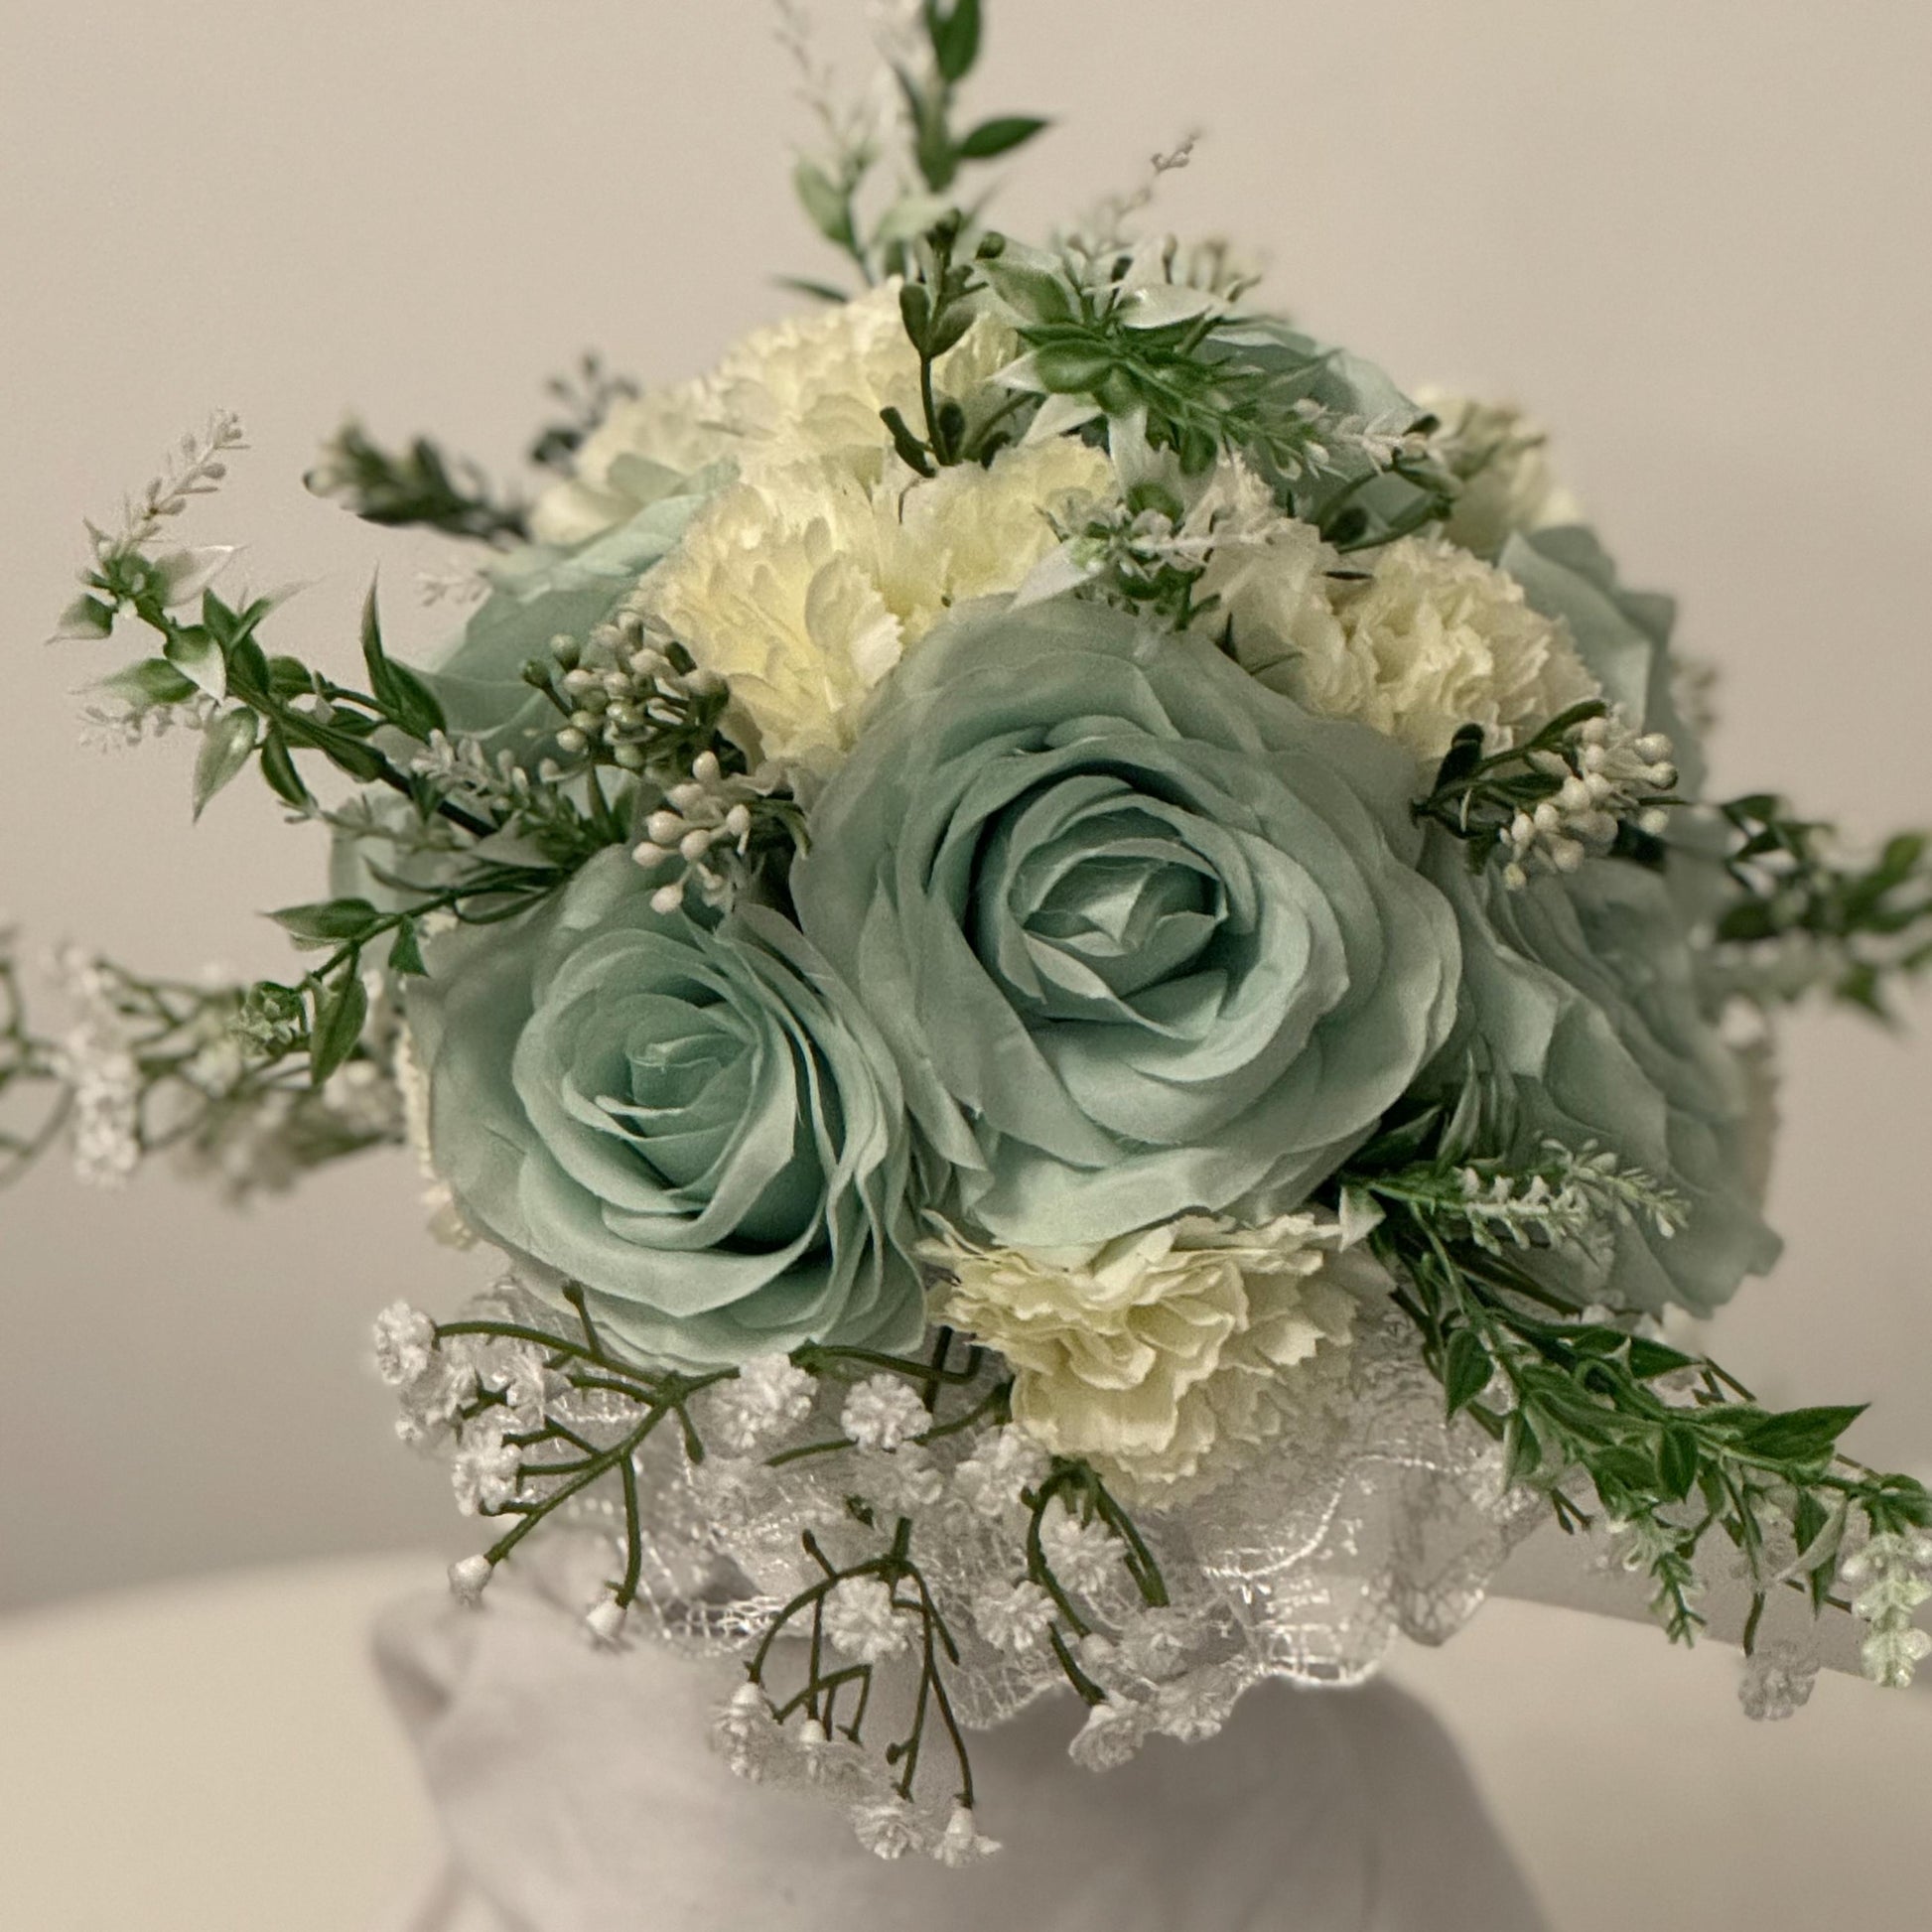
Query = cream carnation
x=803 y=587
x=1164 y=1357
x=1501 y=457
x=1431 y=639
x=809 y=387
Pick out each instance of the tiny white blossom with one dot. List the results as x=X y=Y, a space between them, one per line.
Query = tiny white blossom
x=1084 y=1556
x=907 y=1481
x=405 y=1344
x=1014 y=1618
x=484 y=1470
x=1111 y=1736
x=770 y=1395
x=470 y=1577
x=1777 y=1681
x=889 y=1828
x=883 y=1412
x=861 y=1622
x=743 y=1732
x=1006 y=1461
x=527 y=1383
x=604 y=1621
x=960 y=1844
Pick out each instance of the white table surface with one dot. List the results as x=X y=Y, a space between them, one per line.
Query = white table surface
x=214 y=1756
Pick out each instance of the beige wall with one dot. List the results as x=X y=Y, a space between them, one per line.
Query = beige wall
x=1691 y=232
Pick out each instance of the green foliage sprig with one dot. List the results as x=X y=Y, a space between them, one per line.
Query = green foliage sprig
x=1859 y=928
x=420 y=486
x=1668 y=1446
x=832 y=187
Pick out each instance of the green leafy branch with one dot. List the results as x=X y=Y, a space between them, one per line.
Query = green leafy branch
x=587 y=395
x=937 y=307
x=421 y=487
x=1672 y=1447
x=831 y=189
x=1868 y=925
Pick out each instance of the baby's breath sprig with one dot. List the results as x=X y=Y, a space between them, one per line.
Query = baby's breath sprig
x=1805 y=919
x=201 y=1070
x=1670 y=1446
x=1586 y=785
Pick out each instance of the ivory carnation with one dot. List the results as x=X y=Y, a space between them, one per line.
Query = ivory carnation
x=811 y=386
x=1433 y=639
x=1164 y=1357
x=803 y=585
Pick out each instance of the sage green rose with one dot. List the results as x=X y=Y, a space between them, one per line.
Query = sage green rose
x=1146 y=938
x=1581 y=1001
x=696 y=1122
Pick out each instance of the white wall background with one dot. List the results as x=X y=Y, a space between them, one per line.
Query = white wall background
x=1692 y=233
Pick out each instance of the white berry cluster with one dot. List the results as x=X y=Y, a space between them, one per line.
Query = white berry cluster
x=1610 y=774
x=705 y=817
x=627 y=690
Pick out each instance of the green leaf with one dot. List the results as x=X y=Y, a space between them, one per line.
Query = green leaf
x=1035 y=292
x=1521 y=1451
x=1000 y=136
x=818 y=291
x=87 y=617
x=955 y=37
x=1650 y=1359
x=195 y=655
x=1798 y=1434
x=225 y=749
x=829 y=209
x=340 y=1018
x=278 y=768
x=1071 y=368
x=407 y=701
x=152 y=681
x=1467 y=1369
x=1677 y=1461
x=328 y=922
x=1462 y=758
x=406 y=955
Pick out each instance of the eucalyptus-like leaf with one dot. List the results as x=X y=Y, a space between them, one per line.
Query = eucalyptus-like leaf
x=227 y=746
x=1000 y=136
x=819 y=195
x=328 y=922
x=341 y=1014
x=198 y=657
x=182 y=574
x=85 y=621
x=153 y=682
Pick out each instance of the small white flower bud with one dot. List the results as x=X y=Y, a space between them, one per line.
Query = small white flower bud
x=1574 y=796
x=578 y=680
x=648 y=853
x=1656 y=821
x=572 y=741
x=1654 y=747
x=704 y=768
x=629 y=758
x=667 y=899
x=1567 y=855
x=737 y=821
x=1547 y=817
x=469 y=1579
x=694 y=845
x=666 y=828
x=604 y=1621
x=1514 y=877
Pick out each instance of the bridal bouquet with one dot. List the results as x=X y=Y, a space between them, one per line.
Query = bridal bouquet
x=1078 y=958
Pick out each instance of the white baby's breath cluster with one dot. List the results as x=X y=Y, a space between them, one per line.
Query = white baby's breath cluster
x=1610 y=774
